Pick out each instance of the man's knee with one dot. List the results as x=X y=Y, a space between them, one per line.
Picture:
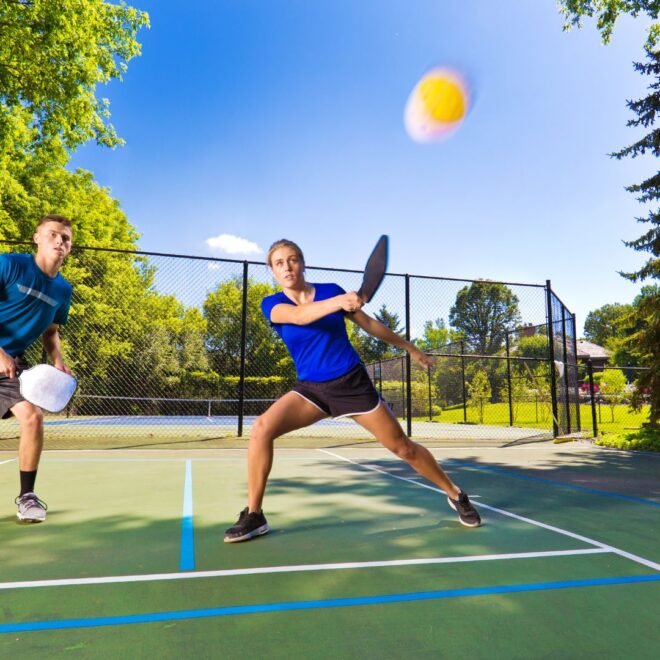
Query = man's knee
x=29 y=417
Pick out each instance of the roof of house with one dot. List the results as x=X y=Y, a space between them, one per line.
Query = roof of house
x=587 y=349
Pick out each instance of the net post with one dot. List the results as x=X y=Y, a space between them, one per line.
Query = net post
x=241 y=380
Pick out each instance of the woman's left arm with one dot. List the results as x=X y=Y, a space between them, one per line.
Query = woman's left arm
x=379 y=330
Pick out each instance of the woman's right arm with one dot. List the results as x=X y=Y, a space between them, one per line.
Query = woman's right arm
x=313 y=311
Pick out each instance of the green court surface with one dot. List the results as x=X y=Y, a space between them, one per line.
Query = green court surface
x=365 y=560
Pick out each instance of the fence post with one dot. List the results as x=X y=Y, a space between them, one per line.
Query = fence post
x=428 y=375
x=551 y=350
x=463 y=380
x=592 y=396
x=241 y=379
x=508 y=379
x=408 y=361
x=564 y=356
x=576 y=393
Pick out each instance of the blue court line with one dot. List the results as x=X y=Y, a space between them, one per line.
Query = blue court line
x=586 y=489
x=187 y=560
x=153 y=617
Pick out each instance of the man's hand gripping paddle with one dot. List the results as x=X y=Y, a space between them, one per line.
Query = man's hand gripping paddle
x=47 y=387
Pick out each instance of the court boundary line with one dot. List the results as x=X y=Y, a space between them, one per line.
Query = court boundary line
x=287 y=606
x=10 y=460
x=537 y=523
x=300 y=568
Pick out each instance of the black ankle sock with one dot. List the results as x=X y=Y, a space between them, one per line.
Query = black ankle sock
x=27 y=481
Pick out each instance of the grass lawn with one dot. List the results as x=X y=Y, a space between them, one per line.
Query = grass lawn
x=538 y=415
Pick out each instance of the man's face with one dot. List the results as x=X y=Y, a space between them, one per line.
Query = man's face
x=53 y=240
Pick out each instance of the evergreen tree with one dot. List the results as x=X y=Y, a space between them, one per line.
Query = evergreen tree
x=645 y=341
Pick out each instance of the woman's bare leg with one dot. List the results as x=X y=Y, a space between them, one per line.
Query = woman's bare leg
x=287 y=414
x=382 y=424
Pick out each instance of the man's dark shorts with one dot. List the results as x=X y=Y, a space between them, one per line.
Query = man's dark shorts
x=350 y=394
x=10 y=391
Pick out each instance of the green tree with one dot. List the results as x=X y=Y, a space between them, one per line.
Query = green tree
x=483 y=313
x=436 y=336
x=645 y=341
x=370 y=348
x=612 y=386
x=265 y=353
x=53 y=55
x=480 y=391
x=603 y=324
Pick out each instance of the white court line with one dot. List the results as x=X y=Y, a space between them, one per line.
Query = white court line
x=292 y=569
x=11 y=460
x=558 y=530
x=164 y=460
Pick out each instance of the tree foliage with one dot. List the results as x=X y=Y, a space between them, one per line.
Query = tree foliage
x=644 y=342
x=371 y=349
x=484 y=313
x=266 y=354
x=602 y=324
x=480 y=392
x=436 y=336
x=607 y=12
x=53 y=55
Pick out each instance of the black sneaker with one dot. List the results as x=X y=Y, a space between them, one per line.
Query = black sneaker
x=247 y=526
x=467 y=514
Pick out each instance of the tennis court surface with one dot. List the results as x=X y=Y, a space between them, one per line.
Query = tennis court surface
x=364 y=560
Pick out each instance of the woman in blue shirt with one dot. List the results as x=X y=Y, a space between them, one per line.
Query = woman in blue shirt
x=332 y=381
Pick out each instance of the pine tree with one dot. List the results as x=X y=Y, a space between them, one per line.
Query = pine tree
x=644 y=342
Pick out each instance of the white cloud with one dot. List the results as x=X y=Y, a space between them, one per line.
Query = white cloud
x=233 y=245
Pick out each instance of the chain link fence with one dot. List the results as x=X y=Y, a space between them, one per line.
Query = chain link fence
x=606 y=395
x=174 y=349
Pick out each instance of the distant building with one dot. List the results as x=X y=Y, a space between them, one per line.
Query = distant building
x=598 y=355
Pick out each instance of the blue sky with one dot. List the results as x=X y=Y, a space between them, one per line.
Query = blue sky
x=284 y=118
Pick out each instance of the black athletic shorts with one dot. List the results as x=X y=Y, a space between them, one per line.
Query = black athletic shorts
x=350 y=394
x=10 y=391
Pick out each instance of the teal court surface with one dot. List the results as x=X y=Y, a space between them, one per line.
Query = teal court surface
x=364 y=560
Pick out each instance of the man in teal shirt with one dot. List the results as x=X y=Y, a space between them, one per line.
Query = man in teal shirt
x=34 y=302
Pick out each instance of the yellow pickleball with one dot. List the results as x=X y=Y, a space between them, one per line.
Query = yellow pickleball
x=443 y=98
x=437 y=105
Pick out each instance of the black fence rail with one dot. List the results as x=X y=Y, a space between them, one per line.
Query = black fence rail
x=174 y=343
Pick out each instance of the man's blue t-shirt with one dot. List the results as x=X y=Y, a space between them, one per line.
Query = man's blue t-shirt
x=320 y=350
x=30 y=302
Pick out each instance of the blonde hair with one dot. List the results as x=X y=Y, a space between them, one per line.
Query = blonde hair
x=283 y=242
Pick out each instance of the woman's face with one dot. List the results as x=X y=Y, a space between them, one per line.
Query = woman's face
x=288 y=268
